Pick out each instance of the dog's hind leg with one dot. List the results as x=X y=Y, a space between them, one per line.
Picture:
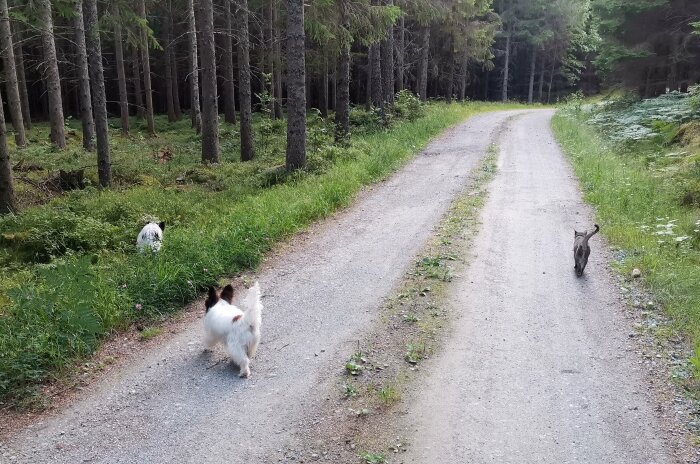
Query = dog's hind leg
x=209 y=341
x=238 y=355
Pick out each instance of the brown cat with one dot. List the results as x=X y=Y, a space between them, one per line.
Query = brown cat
x=582 y=250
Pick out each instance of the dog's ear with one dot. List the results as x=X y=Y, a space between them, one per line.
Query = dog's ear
x=162 y=226
x=212 y=299
x=227 y=294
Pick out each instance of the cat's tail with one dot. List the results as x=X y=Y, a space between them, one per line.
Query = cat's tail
x=591 y=234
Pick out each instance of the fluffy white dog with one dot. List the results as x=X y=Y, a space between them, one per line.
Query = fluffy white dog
x=238 y=329
x=151 y=236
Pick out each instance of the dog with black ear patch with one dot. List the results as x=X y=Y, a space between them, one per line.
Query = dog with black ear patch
x=150 y=237
x=582 y=250
x=238 y=329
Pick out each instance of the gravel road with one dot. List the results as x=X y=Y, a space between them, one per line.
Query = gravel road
x=539 y=368
x=175 y=404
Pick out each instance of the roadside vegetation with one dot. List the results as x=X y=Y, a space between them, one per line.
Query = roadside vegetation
x=639 y=165
x=70 y=273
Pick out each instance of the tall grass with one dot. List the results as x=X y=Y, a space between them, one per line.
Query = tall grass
x=641 y=212
x=57 y=311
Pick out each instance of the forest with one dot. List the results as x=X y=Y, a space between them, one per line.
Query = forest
x=266 y=113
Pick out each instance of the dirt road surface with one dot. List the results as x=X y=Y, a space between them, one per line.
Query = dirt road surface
x=538 y=368
x=175 y=404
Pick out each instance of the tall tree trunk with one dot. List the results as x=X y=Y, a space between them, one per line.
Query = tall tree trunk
x=541 y=84
x=8 y=58
x=423 y=64
x=387 y=56
x=533 y=65
x=324 y=87
x=146 y=63
x=229 y=87
x=195 y=107
x=210 y=110
x=52 y=77
x=504 y=88
x=270 y=49
x=8 y=203
x=551 y=80
x=463 y=68
x=22 y=80
x=277 y=72
x=167 y=65
x=121 y=73
x=376 y=63
x=176 y=83
x=342 y=100
x=368 y=96
x=450 y=81
x=296 y=101
x=138 y=91
x=334 y=86
x=400 y=54
x=244 y=90
x=99 y=97
x=84 y=96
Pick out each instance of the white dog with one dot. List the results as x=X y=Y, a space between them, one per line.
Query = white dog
x=237 y=329
x=151 y=236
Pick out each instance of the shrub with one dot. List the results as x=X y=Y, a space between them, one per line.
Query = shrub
x=408 y=106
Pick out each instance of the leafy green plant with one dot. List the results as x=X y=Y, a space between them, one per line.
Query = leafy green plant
x=373 y=458
x=415 y=353
x=388 y=395
x=350 y=390
x=408 y=106
x=149 y=333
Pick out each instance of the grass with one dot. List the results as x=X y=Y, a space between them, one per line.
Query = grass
x=69 y=273
x=638 y=201
x=149 y=333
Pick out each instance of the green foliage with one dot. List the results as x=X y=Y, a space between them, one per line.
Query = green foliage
x=636 y=190
x=94 y=282
x=373 y=458
x=408 y=106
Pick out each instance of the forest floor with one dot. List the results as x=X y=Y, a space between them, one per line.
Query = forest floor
x=401 y=330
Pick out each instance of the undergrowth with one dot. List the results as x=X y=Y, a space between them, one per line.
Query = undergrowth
x=70 y=274
x=638 y=189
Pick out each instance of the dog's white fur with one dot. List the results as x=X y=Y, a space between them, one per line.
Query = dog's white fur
x=238 y=329
x=151 y=236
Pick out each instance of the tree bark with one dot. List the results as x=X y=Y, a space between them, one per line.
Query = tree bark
x=176 y=83
x=334 y=87
x=324 y=87
x=146 y=63
x=423 y=64
x=8 y=58
x=229 y=87
x=244 y=89
x=210 y=109
x=195 y=107
x=400 y=54
x=99 y=97
x=533 y=65
x=541 y=84
x=277 y=73
x=463 y=68
x=52 y=77
x=368 y=76
x=138 y=91
x=167 y=66
x=342 y=93
x=450 y=81
x=22 y=81
x=121 y=73
x=551 y=80
x=504 y=88
x=84 y=96
x=296 y=100
x=387 y=65
x=8 y=203
x=377 y=90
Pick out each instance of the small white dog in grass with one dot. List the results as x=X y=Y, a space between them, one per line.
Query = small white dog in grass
x=151 y=236
x=238 y=329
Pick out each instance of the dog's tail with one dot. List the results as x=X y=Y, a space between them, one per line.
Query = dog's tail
x=252 y=306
